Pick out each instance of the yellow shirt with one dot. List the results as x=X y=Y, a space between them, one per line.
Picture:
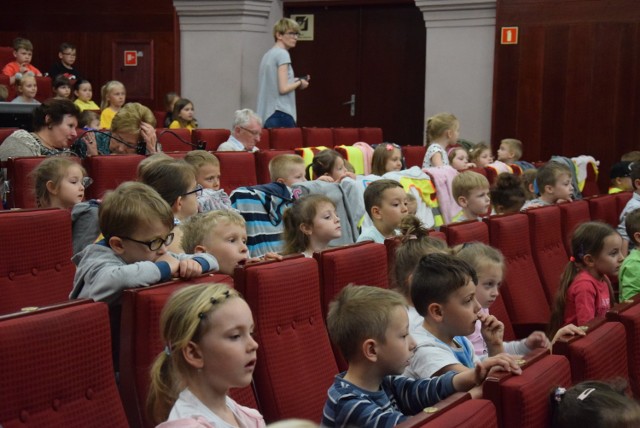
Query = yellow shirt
x=176 y=125
x=106 y=117
x=82 y=105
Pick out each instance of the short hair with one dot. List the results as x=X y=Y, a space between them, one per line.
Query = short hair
x=51 y=169
x=549 y=173
x=284 y=25
x=53 y=111
x=130 y=117
x=66 y=45
x=467 y=181
x=170 y=178
x=439 y=124
x=635 y=173
x=280 y=166
x=61 y=80
x=632 y=225
x=358 y=313
x=243 y=117
x=200 y=158
x=302 y=211
x=196 y=229
x=436 y=277
x=80 y=82
x=515 y=146
x=632 y=156
x=131 y=204
x=22 y=43
x=106 y=90
x=508 y=193
x=149 y=160
x=374 y=191
x=86 y=117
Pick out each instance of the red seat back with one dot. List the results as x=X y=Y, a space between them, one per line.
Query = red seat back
x=438 y=235
x=466 y=231
x=621 y=199
x=314 y=137
x=57 y=370
x=571 y=216
x=174 y=140
x=265 y=141
x=212 y=137
x=370 y=135
x=629 y=315
x=604 y=208
x=44 y=88
x=108 y=171
x=36 y=250
x=4 y=80
x=285 y=138
x=237 y=169
x=413 y=155
x=5 y=132
x=457 y=410
x=345 y=136
x=263 y=158
x=591 y=182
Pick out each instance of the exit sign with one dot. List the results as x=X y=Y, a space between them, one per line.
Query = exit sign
x=509 y=36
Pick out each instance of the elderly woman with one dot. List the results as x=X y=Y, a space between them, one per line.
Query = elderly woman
x=132 y=131
x=55 y=123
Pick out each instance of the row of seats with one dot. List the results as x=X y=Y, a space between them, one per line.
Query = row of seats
x=45 y=90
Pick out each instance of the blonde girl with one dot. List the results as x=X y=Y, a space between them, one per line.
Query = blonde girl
x=114 y=96
x=209 y=348
x=84 y=94
x=386 y=157
x=481 y=155
x=459 y=159
x=310 y=224
x=59 y=182
x=27 y=88
x=443 y=130
x=183 y=115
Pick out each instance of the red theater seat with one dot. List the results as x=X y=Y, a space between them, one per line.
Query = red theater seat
x=314 y=137
x=571 y=216
x=438 y=235
x=108 y=171
x=44 y=88
x=628 y=313
x=237 y=169
x=5 y=132
x=370 y=135
x=604 y=208
x=265 y=142
x=621 y=200
x=345 y=136
x=457 y=410
x=285 y=138
x=174 y=140
x=591 y=182
x=212 y=137
x=4 y=80
x=413 y=155
x=466 y=231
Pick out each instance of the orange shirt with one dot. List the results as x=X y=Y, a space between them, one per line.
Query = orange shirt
x=13 y=67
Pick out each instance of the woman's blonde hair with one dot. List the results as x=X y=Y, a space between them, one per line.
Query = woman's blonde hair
x=130 y=118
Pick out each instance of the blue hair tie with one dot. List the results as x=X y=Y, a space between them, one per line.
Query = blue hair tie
x=536 y=189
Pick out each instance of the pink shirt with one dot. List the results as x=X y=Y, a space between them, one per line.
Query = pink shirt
x=587 y=298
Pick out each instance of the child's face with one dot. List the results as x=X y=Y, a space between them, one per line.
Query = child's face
x=393 y=207
x=295 y=175
x=563 y=189
x=478 y=201
x=23 y=56
x=460 y=160
x=28 y=87
x=186 y=113
x=189 y=202
x=70 y=190
x=326 y=223
x=394 y=162
x=339 y=170
x=209 y=176
x=460 y=312
x=64 y=91
x=68 y=57
x=624 y=183
x=396 y=351
x=504 y=153
x=609 y=260
x=84 y=92
x=117 y=97
x=412 y=206
x=147 y=231
x=95 y=124
x=227 y=349
x=489 y=280
x=227 y=242
x=484 y=158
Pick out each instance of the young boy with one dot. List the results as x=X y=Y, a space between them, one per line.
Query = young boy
x=630 y=270
x=632 y=205
x=207 y=168
x=370 y=326
x=471 y=192
x=22 y=51
x=64 y=67
x=62 y=88
x=510 y=150
x=386 y=203
x=443 y=292
x=620 y=177
x=553 y=184
x=287 y=169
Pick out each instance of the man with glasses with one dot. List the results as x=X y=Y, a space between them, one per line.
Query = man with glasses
x=67 y=55
x=245 y=133
x=276 y=82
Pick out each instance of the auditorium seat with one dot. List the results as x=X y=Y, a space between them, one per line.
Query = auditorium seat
x=314 y=137
x=466 y=231
x=456 y=411
x=108 y=171
x=5 y=132
x=591 y=182
x=628 y=313
x=44 y=88
x=370 y=136
x=263 y=157
x=294 y=344
x=345 y=136
x=621 y=201
x=159 y=115
x=548 y=251
x=285 y=138
x=604 y=208
x=571 y=216
x=523 y=400
x=56 y=368
x=4 y=80
x=413 y=155
x=265 y=141
x=484 y=172
x=438 y=235
x=173 y=140
x=237 y=169
x=212 y=137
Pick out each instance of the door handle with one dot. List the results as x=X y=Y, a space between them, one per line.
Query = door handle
x=352 y=103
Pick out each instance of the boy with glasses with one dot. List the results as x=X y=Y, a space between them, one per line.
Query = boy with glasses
x=64 y=67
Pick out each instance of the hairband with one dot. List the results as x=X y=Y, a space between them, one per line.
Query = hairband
x=167 y=349
x=559 y=393
x=572 y=259
x=214 y=301
x=389 y=147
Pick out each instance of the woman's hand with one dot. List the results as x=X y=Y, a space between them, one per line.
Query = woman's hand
x=89 y=139
x=148 y=134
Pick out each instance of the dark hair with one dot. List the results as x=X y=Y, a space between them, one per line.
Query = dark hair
x=52 y=112
x=177 y=107
x=171 y=179
x=507 y=193
x=66 y=45
x=632 y=224
x=373 y=193
x=86 y=117
x=436 y=277
x=381 y=155
x=635 y=173
x=322 y=163
x=301 y=212
x=79 y=83
x=61 y=80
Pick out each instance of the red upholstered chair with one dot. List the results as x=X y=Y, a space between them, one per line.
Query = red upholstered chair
x=140 y=343
x=5 y=132
x=621 y=199
x=523 y=401
x=56 y=368
x=108 y=171
x=370 y=135
x=572 y=215
x=36 y=250
x=457 y=410
x=159 y=115
x=438 y=235
x=212 y=137
x=345 y=136
x=294 y=344
x=265 y=142
x=314 y=137
x=263 y=157
x=4 y=80
x=44 y=88
x=174 y=140
x=6 y=55
x=521 y=288
x=486 y=172
x=466 y=231
x=285 y=138
x=548 y=251
x=237 y=169
x=413 y=155
x=604 y=208
x=591 y=182
x=628 y=313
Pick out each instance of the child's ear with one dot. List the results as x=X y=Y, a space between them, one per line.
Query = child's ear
x=193 y=355
x=375 y=212
x=434 y=310
x=51 y=188
x=462 y=201
x=588 y=260
x=370 y=350
x=280 y=180
x=115 y=243
x=636 y=237
x=306 y=229
x=548 y=189
x=199 y=249
x=177 y=205
x=636 y=184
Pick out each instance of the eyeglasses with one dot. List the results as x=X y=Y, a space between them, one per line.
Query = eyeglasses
x=71 y=54
x=252 y=132
x=155 y=244
x=197 y=191
x=292 y=33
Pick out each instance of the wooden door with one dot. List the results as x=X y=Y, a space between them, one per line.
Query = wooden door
x=133 y=66
x=375 y=54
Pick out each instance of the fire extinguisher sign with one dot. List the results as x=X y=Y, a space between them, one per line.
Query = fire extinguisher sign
x=509 y=36
x=130 y=58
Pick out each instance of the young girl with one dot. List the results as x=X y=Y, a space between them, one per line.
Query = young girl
x=585 y=290
x=84 y=93
x=209 y=348
x=61 y=87
x=170 y=99
x=59 y=183
x=310 y=224
x=89 y=120
x=183 y=115
x=328 y=165
x=507 y=195
x=443 y=130
x=481 y=155
x=114 y=96
x=459 y=159
x=27 y=89
x=386 y=157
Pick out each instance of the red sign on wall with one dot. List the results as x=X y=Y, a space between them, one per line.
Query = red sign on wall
x=509 y=36
x=130 y=58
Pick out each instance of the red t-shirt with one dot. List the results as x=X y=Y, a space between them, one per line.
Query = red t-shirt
x=13 y=67
x=587 y=298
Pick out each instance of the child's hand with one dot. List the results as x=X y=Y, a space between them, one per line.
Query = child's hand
x=174 y=263
x=349 y=174
x=504 y=362
x=326 y=178
x=188 y=268
x=272 y=256
x=568 y=331
x=537 y=339
x=148 y=134
x=492 y=330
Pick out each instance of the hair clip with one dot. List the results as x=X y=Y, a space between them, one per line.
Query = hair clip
x=536 y=189
x=572 y=259
x=559 y=393
x=585 y=393
x=389 y=147
x=167 y=349
x=226 y=294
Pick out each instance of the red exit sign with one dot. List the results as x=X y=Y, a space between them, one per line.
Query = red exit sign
x=509 y=36
x=130 y=58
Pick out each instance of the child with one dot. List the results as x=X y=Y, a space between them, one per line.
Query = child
x=553 y=182
x=633 y=204
x=89 y=120
x=223 y=234
x=443 y=130
x=481 y=155
x=594 y=404
x=471 y=192
x=630 y=269
x=208 y=332
x=412 y=204
x=510 y=150
x=64 y=67
x=183 y=115
x=113 y=98
x=528 y=184
x=84 y=93
x=61 y=87
x=170 y=100
x=207 y=168
x=27 y=89
x=22 y=51
x=287 y=169
x=386 y=203
x=386 y=157
x=328 y=165
x=507 y=195
x=585 y=290
x=620 y=177
x=370 y=327
x=310 y=224
x=459 y=159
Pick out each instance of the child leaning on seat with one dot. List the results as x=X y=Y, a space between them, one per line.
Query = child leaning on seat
x=386 y=203
x=207 y=168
